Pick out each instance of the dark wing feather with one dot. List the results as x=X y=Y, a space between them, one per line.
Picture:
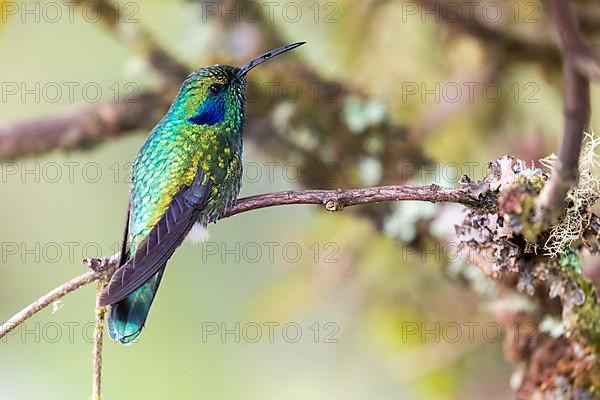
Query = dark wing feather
x=160 y=244
x=124 y=242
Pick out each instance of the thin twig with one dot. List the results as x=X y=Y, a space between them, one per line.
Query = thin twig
x=336 y=200
x=98 y=341
x=332 y=200
x=99 y=268
x=46 y=300
x=576 y=56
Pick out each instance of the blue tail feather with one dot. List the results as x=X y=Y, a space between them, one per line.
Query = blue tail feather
x=127 y=317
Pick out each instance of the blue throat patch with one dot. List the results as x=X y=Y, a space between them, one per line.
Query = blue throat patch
x=211 y=112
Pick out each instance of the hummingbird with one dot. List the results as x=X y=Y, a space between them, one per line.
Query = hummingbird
x=186 y=175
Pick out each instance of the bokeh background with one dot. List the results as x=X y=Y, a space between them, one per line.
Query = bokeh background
x=363 y=279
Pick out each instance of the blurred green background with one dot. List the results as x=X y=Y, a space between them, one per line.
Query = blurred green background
x=367 y=291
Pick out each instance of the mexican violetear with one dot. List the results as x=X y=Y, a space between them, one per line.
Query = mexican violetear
x=188 y=172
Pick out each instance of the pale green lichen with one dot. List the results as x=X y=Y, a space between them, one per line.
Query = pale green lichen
x=580 y=199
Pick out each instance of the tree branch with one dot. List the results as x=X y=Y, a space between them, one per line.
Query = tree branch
x=576 y=59
x=336 y=200
x=332 y=200
x=82 y=128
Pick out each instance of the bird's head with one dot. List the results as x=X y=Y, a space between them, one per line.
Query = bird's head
x=216 y=94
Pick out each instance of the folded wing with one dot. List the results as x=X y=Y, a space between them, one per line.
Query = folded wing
x=160 y=244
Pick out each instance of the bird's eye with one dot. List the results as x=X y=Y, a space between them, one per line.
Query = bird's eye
x=215 y=88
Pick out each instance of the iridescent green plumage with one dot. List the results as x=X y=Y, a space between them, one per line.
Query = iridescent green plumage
x=189 y=170
x=167 y=160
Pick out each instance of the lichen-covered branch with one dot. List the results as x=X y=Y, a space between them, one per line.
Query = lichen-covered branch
x=556 y=340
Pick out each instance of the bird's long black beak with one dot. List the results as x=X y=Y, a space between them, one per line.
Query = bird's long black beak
x=259 y=60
